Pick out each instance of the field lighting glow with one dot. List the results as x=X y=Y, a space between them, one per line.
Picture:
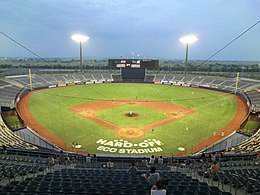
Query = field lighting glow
x=80 y=38
x=189 y=39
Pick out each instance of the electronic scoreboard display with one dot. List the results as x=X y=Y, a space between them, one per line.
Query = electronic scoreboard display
x=128 y=64
x=133 y=63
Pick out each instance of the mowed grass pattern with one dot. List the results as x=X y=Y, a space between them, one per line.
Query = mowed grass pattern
x=214 y=110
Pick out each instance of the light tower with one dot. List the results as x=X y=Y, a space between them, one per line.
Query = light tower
x=80 y=39
x=189 y=39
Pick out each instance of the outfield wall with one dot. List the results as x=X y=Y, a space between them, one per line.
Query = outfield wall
x=233 y=140
x=32 y=137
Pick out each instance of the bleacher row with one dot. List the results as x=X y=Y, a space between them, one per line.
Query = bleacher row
x=71 y=181
x=252 y=144
x=34 y=175
x=217 y=83
x=101 y=181
x=48 y=80
x=9 y=92
x=225 y=84
x=239 y=174
x=228 y=84
x=13 y=170
x=117 y=77
x=9 y=139
x=254 y=97
x=247 y=178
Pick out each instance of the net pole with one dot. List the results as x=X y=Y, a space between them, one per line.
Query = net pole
x=237 y=80
x=30 y=79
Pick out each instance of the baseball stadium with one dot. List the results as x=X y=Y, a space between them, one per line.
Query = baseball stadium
x=129 y=114
x=132 y=114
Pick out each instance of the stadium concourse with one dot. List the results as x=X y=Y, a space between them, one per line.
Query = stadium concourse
x=29 y=164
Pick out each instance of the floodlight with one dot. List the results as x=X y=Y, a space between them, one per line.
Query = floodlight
x=80 y=39
x=189 y=39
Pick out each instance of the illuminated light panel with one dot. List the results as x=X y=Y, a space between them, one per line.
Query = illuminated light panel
x=188 y=39
x=80 y=38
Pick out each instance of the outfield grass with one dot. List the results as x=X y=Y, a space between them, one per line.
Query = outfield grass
x=50 y=108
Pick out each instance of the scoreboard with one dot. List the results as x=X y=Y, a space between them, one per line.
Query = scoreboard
x=128 y=64
x=133 y=63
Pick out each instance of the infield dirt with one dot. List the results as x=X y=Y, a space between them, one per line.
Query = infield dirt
x=172 y=111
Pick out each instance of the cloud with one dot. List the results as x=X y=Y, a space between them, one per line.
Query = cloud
x=120 y=26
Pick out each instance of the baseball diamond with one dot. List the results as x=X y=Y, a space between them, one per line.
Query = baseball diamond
x=132 y=118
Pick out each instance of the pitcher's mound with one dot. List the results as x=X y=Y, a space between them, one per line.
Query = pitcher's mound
x=131 y=114
x=130 y=132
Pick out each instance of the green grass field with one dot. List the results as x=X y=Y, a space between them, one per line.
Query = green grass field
x=50 y=108
x=116 y=115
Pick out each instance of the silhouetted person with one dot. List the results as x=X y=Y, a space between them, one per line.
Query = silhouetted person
x=144 y=162
x=62 y=158
x=214 y=168
x=132 y=169
x=51 y=161
x=160 y=160
x=152 y=160
x=153 y=177
x=110 y=165
x=157 y=189
x=203 y=157
x=88 y=158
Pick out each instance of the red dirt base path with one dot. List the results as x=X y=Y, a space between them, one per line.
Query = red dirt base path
x=30 y=121
x=172 y=111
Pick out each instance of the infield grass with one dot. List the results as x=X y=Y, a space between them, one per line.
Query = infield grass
x=117 y=115
x=213 y=110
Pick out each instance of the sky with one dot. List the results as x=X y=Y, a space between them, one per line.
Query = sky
x=128 y=28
